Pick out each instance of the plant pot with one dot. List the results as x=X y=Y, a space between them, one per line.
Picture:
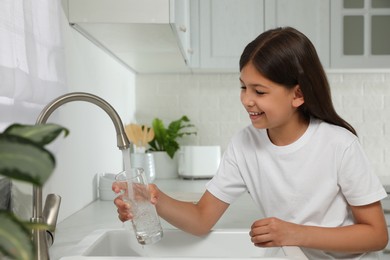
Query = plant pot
x=165 y=166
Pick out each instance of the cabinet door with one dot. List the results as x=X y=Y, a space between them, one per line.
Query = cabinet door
x=225 y=28
x=118 y=11
x=311 y=17
x=360 y=34
x=181 y=26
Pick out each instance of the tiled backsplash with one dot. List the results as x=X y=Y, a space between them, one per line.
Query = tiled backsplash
x=212 y=103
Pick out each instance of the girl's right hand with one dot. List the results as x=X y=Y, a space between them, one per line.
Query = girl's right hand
x=124 y=208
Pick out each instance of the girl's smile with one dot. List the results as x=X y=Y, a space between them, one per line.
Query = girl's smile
x=255 y=115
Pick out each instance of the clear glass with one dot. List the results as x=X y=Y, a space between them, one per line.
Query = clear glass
x=353 y=35
x=135 y=191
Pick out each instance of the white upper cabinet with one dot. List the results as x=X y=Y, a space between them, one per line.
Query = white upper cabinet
x=224 y=28
x=185 y=36
x=311 y=17
x=345 y=33
x=360 y=34
x=142 y=35
x=182 y=27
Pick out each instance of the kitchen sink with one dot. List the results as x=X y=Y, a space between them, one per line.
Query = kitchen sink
x=218 y=244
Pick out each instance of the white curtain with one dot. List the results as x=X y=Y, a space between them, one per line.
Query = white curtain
x=32 y=64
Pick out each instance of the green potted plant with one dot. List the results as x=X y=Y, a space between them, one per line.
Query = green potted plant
x=23 y=157
x=165 y=144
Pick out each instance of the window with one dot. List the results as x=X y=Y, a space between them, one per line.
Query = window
x=360 y=35
x=31 y=58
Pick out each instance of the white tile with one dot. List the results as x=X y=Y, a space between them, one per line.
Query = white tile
x=213 y=103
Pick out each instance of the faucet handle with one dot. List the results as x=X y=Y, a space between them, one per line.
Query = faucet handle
x=50 y=214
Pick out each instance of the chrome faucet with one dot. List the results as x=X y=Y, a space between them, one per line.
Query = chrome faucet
x=42 y=238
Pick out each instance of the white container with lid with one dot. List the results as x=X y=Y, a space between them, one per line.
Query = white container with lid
x=199 y=162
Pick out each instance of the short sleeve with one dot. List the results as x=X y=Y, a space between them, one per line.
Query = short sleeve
x=228 y=184
x=358 y=183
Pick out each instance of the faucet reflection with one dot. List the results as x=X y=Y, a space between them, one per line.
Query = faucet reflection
x=49 y=215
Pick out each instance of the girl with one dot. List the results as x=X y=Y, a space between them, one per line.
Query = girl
x=300 y=161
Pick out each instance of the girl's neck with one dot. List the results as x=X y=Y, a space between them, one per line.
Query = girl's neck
x=290 y=132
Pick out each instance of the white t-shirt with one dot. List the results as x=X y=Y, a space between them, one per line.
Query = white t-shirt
x=309 y=182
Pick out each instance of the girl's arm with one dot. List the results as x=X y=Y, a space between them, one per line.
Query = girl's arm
x=197 y=219
x=368 y=234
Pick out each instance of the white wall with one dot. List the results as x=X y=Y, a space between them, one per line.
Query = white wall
x=363 y=99
x=213 y=105
x=91 y=146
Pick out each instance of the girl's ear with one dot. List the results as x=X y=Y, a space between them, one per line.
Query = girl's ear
x=298 y=98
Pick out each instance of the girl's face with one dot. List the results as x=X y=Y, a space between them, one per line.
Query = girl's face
x=269 y=104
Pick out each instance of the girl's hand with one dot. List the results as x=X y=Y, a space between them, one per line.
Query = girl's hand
x=271 y=232
x=124 y=206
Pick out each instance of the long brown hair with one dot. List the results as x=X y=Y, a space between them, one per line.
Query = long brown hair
x=287 y=57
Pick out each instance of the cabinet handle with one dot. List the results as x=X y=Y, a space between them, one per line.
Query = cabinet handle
x=190 y=51
x=182 y=28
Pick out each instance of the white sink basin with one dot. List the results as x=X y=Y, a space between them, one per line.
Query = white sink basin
x=218 y=244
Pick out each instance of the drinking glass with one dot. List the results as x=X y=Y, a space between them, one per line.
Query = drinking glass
x=135 y=190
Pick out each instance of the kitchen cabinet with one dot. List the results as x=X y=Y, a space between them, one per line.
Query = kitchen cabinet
x=336 y=28
x=186 y=36
x=224 y=28
x=182 y=27
x=311 y=17
x=360 y=34
x=146 y=36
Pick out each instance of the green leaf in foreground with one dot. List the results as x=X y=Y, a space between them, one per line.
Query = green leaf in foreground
x=24 y=160
x=15 y=239
x=41 y=134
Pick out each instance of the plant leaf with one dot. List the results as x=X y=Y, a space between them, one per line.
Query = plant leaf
x=15 y=239
x=165 y=138
x=24 y=160
x=41 y=134
x=175 y=126
x=160 y=134
x=172 y=147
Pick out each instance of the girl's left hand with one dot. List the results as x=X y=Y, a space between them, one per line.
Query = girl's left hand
x=271 y=232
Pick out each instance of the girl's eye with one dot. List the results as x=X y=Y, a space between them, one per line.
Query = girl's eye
x=243 y=87
x=260 y=92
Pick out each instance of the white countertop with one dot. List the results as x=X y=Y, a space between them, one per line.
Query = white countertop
x=103 y=215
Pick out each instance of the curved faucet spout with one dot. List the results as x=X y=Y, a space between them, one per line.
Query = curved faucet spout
x=39 y=236
x=122 y=141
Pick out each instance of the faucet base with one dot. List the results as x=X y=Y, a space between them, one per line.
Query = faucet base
x=40 y=240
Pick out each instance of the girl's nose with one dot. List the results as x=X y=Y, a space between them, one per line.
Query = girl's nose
x=247 y=100
x=251 y=103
